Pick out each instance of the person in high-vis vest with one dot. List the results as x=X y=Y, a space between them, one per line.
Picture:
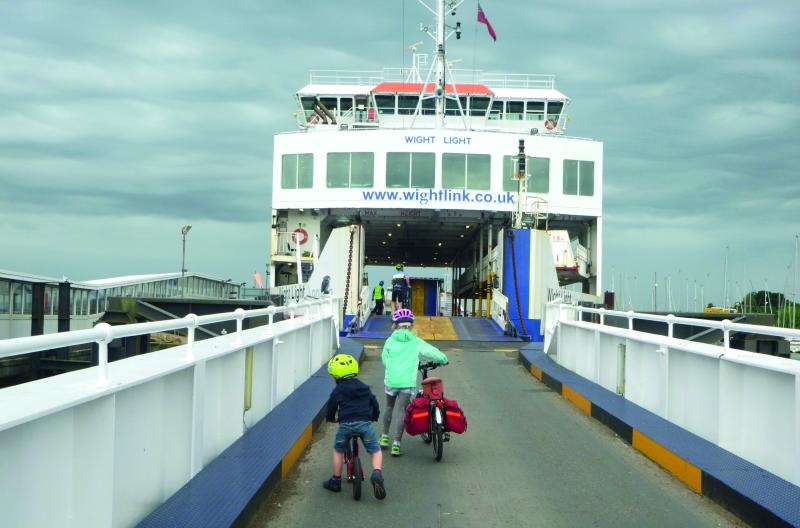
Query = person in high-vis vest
x=377 y=295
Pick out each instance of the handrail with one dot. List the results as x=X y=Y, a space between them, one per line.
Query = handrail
x=726 y=326
x=103 y=333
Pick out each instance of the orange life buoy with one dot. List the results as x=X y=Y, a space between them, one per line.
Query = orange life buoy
x=300 y=234
x=550 y=124
x=313 y=118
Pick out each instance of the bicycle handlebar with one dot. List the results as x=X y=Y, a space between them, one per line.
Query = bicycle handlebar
x=429 y=366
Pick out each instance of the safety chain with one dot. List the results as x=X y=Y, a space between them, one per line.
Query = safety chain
x=511 y=235
x=349 y=270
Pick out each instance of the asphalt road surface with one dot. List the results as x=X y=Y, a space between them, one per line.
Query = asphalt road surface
x=528 y=458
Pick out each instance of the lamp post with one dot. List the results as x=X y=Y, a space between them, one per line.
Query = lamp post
x=184 y=230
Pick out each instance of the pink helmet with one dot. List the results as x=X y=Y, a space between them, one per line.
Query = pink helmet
x=403 y=315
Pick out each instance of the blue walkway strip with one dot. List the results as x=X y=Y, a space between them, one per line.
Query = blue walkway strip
x=754 y=494
x=227 y=491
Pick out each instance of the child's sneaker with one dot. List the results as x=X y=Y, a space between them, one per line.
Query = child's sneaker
x=377 y=485
x=333 y=484
x=384 y=441
x=446 y=436
x=396 y=449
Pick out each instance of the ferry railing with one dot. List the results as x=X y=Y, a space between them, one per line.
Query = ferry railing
x=122 y=437
x=492 y=80
x=744 y=402
x=523 y=80
x=345 y=77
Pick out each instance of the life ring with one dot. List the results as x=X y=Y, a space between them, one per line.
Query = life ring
x=301 y=235
x=313 y=118
x=550 y=124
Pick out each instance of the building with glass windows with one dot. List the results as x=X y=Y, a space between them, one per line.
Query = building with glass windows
x=33 y=304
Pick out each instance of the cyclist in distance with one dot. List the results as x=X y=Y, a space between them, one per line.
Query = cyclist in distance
x=400 y=358
x=357 y=407
x=401 y=283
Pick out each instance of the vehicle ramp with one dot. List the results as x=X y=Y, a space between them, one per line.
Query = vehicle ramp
x=439 y=329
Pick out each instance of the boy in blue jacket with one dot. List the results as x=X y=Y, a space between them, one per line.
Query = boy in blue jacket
x=357 y=407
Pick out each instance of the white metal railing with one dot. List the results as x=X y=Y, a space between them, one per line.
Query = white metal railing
x=346 y=77
x=523 y=80
x=375 y=77
x=122 y=437
x=499 y=308
x=744 y=402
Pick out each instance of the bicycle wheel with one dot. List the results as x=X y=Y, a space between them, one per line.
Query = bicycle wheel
x=437 y=430
x=358 y=476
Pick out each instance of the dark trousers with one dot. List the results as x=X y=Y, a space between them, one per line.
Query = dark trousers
x=378 y=310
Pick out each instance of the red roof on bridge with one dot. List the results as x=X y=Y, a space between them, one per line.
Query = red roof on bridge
x=401 y=87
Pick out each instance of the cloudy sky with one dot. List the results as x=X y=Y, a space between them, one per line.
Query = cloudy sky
x=122 y=121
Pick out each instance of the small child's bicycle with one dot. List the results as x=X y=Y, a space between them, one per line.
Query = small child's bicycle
x=355 y=473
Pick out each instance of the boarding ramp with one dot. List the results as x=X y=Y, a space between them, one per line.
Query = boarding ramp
x=438 y=328
x=230 y=430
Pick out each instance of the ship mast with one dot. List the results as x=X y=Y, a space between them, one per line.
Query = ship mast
x=440 y=66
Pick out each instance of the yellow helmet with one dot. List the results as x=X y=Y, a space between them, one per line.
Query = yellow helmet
x=342 y=366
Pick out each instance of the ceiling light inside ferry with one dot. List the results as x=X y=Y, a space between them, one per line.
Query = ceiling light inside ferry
x=384 y=242
x=467 y=226
x=389 y=234
x=398 y=225
x=440 y=244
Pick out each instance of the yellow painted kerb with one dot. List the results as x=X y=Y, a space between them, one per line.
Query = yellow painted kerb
x=580 y=401
x=688 y=473
x=537 y=372
x=295 y=451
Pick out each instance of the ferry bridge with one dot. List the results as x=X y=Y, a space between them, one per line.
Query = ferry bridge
x=595 y=425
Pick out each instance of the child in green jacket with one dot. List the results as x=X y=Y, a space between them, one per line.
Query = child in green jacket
x=400 y=357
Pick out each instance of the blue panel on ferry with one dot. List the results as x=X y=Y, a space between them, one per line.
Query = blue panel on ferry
x=431 y=297
x=479 y=329
x=522 y=254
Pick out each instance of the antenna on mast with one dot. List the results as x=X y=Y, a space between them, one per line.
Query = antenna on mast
x=440 y=65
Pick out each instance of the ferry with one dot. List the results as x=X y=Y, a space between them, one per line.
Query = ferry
x=463 y=170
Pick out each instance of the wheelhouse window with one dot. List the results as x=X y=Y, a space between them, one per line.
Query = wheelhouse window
x=385 y=104
x=451 y=105
x=329 y=103
x=407 y=104
x=410 y=169
x=466 y=171
x=554 y=109
x=497 y=110
x=5 y=297
x=515 y=110
x=350 y=169
x=297 y=171
x=579 y=177
x=478 y=106
x=537 y=174
x=534 y=110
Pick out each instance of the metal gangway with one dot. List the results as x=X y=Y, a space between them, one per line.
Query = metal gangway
x=209 y=433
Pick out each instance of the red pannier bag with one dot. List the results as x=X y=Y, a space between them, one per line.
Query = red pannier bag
x=454 y=419
x=417 y=419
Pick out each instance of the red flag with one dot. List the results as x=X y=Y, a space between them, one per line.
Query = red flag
x=257 y=277
x=482 y=19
